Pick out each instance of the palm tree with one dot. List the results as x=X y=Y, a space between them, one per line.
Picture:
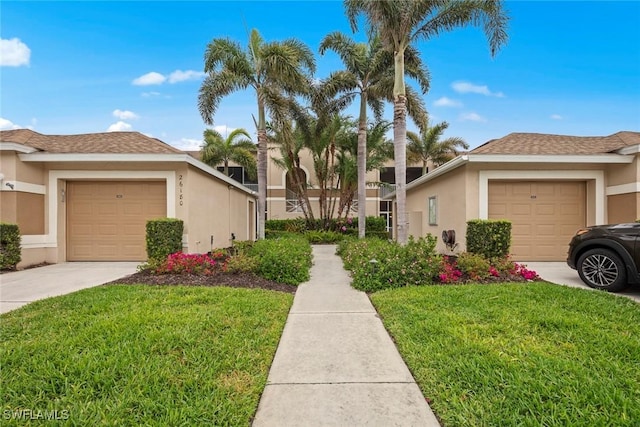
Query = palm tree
x=236 y=147
x=379 y=151
x=401 y=23
x=369 y=75
x=428 y=147
x=290 y=145
x=273 y=70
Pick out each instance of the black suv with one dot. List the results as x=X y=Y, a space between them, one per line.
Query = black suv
x=606 y=256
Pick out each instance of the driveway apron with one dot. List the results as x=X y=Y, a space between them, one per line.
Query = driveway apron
x=19 y=288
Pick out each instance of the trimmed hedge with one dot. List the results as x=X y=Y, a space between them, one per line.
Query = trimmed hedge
x=489 y=238
x=376 y=226
x=10 y=254
x=164 y=237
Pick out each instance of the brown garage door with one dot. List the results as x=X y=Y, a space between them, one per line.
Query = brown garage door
x=544 y=216
x=106 y=221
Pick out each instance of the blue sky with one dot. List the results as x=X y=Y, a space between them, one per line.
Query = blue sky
x=82 y=67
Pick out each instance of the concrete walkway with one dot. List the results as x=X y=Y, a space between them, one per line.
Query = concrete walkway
x=19 y=288
x=335 y=364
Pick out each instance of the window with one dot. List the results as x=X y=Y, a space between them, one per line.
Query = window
x=433 y=210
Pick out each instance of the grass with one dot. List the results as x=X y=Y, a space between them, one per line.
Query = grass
x=519 y=354
x=141 y=355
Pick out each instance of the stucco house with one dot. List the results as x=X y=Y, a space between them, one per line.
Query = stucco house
x=88 y=197
x=548 y=186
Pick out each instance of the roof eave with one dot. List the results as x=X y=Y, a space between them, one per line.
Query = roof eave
x=631 y=149
x=550 y=158
x=14 y=146
x=516 y=158
x=133 y=158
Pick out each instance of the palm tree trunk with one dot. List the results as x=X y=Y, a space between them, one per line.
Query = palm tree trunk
x=424 y=167
x=226 y=167
x=400 y=146
x=362 y=167
x=262 y=168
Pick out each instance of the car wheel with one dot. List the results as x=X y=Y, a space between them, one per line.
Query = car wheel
x=602 y=269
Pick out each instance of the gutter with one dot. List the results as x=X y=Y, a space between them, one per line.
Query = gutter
x=133 y=158
x=522 y=158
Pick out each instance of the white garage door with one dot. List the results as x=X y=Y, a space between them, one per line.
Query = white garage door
x=106 y=221
x=544 y=214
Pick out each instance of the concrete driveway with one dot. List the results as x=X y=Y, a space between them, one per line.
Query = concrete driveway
x=19 y=288
x=562 y=274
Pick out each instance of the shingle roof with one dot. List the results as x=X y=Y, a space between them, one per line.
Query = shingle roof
x=106 y=142
x=536 y=143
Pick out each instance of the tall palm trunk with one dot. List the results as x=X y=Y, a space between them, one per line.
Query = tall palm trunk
x=262 y=167
x=400 y=146
x=362 y=167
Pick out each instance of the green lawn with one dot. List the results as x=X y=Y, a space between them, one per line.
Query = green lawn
x=142 y=355
x=519 y=354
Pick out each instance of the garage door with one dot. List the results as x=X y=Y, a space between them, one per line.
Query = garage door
x=106 y=221
x=544 y=216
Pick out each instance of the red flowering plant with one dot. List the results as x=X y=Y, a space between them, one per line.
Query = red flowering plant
x=524 y=272
x=470 y=267
x=449 y=272
x=180 y=263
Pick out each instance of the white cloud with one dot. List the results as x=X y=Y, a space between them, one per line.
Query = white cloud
x=181 y=76
x=187 y=144
x=466 y=87
x=8 y=124
x=14 y=53
x=447 y=102
x=151 y=78
x=119 y=126
x=223 y=130
x=150 y=94
x=154 y=78
x=125 y=115
x=556 y=117
x=472 y=117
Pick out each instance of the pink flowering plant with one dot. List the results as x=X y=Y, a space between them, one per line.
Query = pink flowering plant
x=180 y=263
x=449 y=272
x=476 y=268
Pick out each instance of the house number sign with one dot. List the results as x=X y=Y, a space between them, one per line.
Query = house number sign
x=180 y=185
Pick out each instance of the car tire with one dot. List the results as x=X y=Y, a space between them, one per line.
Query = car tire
x=602 y=269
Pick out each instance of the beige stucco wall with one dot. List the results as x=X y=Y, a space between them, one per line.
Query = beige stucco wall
x=624 y=208
x=621 y=174
x=212 y=208
x=450 y=191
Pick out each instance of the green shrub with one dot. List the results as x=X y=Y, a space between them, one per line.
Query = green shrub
x=164 y=237
x=376 y=226
x=284 y=260
x=319 y=237
x=373 y=223
x=242 y=263
x=377 y=264
x=489 y=238
x=242 y=247
x=10 y=254
x=278 y=234
x=294 y=225
x=475 y=266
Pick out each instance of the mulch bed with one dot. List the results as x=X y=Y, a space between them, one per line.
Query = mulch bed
x=236 y=280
